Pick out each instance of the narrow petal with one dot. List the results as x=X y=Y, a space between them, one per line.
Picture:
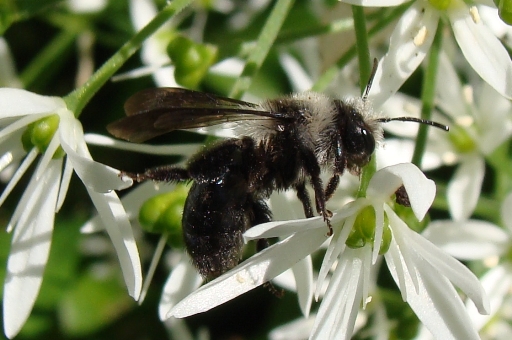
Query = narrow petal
x=449 y=96
x=335 y=248
x=448 y=267
x=437 y=304
x=303 y=273
x=182 y=281
x=338 y=311
x=468 y=240
x=164 y=150
x=464 y=188
x=483 y=50
x=420 y=189
x=260 y=268
x=29 y=250
x=497 y=283
x=118 y=228
x=96 y=176
x=408 y=46
x=18 y=102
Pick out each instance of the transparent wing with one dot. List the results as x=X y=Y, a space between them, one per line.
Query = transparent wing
x=153 y=112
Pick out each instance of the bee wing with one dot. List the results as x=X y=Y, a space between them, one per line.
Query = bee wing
x=153 y=112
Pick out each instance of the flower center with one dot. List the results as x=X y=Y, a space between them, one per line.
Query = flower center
x=461 y=140
x=39 y=134
x=440 y=4
x=363 y=231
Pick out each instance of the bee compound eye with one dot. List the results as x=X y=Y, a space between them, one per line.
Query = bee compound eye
x=359 y=141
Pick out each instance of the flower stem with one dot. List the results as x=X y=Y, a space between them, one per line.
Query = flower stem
x=327 y=77
x=77 y=99
x=362 y=48
x=363 y=56
x=265 y=41
x=428 y=94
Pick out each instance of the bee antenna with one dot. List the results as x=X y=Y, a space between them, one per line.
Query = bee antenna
x=370 y=81
x=416 y=120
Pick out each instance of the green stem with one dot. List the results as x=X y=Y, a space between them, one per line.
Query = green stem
x=363 y=56
x=265 y=41
x=47 y=57
x=362 y=47
x=297 y=34
x=428 y=94
x=327 y=77
x=77 y=99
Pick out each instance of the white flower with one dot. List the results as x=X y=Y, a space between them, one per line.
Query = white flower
x=414 y=34
x=32 y=221
x=422 y=271
x=480 y=122
x=480 y=240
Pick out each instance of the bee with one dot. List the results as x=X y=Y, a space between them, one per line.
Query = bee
x=285 y=143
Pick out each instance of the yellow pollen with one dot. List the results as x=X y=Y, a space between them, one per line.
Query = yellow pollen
x=421 y=36
x=473 y=11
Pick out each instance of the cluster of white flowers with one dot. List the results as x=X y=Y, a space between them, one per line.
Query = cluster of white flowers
x=424 y=265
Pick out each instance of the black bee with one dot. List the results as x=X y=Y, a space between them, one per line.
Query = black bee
x=285 y=144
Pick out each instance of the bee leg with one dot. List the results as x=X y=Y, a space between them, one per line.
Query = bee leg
x=332 y=186
x=303 y=196
x=166 y=173
x=313 y=169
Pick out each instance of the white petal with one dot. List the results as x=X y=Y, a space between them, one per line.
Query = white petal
x=404 y=54
x=283 y=228
x=336 y=247
x=483 y=50
x=141 y=12
x=465 y=186
x=497 y=283
x=420 y=189
x=492 y=119
x=18 y=102
x=8 y=77
x=118 y=228
x=303 y=272
x=182 y=281
x=299 y=79
x=338 y=311
x=260 y=268
x=29 y=250
x=96 y=176
x=437 y=304
x=449 y=94
x=468 y=240
x=447 y=266
x=296 y=329
x=165 y=150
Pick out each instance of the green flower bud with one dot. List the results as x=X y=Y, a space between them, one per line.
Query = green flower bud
x=39 y=134
x=191 y=60
x=387 y=236
x=505 y=11
x=162 y=214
